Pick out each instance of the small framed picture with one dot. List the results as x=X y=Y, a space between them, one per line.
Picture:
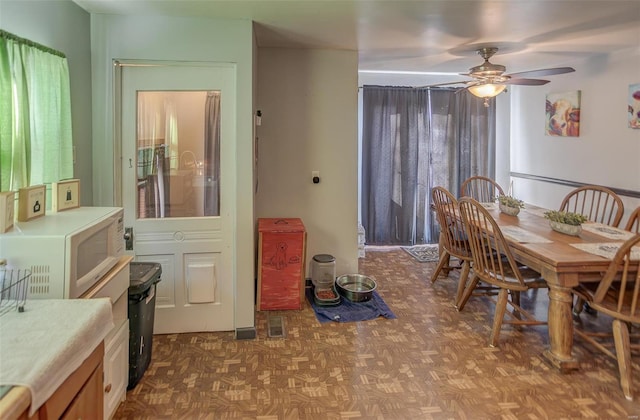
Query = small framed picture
x=7 y=206
x=31 y=202
x=65 y=195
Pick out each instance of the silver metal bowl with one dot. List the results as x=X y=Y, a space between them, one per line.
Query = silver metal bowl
x=356 y=287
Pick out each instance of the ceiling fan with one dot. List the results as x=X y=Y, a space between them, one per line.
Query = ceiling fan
x=489 y=80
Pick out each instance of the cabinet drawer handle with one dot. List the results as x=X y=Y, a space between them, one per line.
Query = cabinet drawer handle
x=107 y=388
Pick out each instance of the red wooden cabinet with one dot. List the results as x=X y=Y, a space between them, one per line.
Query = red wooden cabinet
x=281 y=262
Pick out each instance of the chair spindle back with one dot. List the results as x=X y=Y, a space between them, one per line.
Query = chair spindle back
x=633 y=224
x=598 y=204
x=481 y=188
x=454 y=238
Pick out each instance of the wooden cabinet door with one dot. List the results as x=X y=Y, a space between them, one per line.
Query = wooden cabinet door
x=88 y=402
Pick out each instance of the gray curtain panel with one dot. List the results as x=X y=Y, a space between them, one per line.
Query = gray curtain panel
x=414 y=139
x=212 y=154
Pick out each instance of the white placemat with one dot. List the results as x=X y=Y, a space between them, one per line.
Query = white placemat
x=607 y=231
x=43 y=345
x=518 y=234
x=489 y=205
x=606 y=249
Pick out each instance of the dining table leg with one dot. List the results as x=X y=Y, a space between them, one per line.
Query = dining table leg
x=560 y=326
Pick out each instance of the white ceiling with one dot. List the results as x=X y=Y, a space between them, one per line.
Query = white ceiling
x=427 y=35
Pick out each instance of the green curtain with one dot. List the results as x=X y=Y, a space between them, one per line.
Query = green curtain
x=36 y=145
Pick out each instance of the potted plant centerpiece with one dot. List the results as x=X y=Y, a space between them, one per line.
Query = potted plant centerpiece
x=565 y=221
x=510 y=205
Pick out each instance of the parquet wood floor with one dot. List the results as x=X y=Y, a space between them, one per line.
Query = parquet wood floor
x=432 y=362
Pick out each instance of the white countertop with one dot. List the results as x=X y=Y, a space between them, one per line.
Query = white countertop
x=42 y=346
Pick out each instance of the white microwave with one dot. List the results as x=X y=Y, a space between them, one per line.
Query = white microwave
x=67 y=252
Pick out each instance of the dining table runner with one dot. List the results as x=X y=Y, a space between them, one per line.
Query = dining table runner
x=606 y=249
x=529 y=208
x=538 y=211
x=518 y=234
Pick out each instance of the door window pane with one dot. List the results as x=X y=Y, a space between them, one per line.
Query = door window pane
x=178 y=158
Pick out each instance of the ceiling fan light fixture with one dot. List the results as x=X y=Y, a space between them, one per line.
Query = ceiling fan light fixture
x=486 y=90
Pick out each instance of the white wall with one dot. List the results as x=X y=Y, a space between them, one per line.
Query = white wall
x=181 y=39
x=607 y=152
x=503 y=151
x=308 y=100
x=63 y=26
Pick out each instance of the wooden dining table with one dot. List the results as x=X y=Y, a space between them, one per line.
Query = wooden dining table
x=564 y=261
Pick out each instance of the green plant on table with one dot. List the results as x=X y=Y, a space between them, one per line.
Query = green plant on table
x=566 y=217
x=507 y=200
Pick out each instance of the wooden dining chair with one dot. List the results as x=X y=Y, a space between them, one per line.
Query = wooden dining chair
x=618 y=296
x=497 y=268
x=598 y=204
x=453 y=239
x=481 y=188
x=633 y=224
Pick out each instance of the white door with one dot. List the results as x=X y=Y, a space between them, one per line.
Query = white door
x=178 y=137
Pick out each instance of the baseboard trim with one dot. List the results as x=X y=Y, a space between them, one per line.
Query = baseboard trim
x=247 y=333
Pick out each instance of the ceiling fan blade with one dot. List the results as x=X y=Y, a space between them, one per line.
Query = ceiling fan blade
x=542 y=72
x=461 y=82
x=526 y=82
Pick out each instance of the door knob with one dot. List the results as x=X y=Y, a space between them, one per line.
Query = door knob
x=128 y=238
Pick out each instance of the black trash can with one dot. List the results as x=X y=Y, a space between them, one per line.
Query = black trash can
x=142 y=302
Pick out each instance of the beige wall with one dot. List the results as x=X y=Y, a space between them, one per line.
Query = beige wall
x=308 y=100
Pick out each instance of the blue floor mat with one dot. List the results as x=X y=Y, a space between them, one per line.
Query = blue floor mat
x=348 y=311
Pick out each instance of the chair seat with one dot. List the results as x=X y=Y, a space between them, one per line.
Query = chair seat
x=532 y=279
x=609 y=304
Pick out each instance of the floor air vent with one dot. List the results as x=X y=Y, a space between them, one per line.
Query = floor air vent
x=275 y=326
